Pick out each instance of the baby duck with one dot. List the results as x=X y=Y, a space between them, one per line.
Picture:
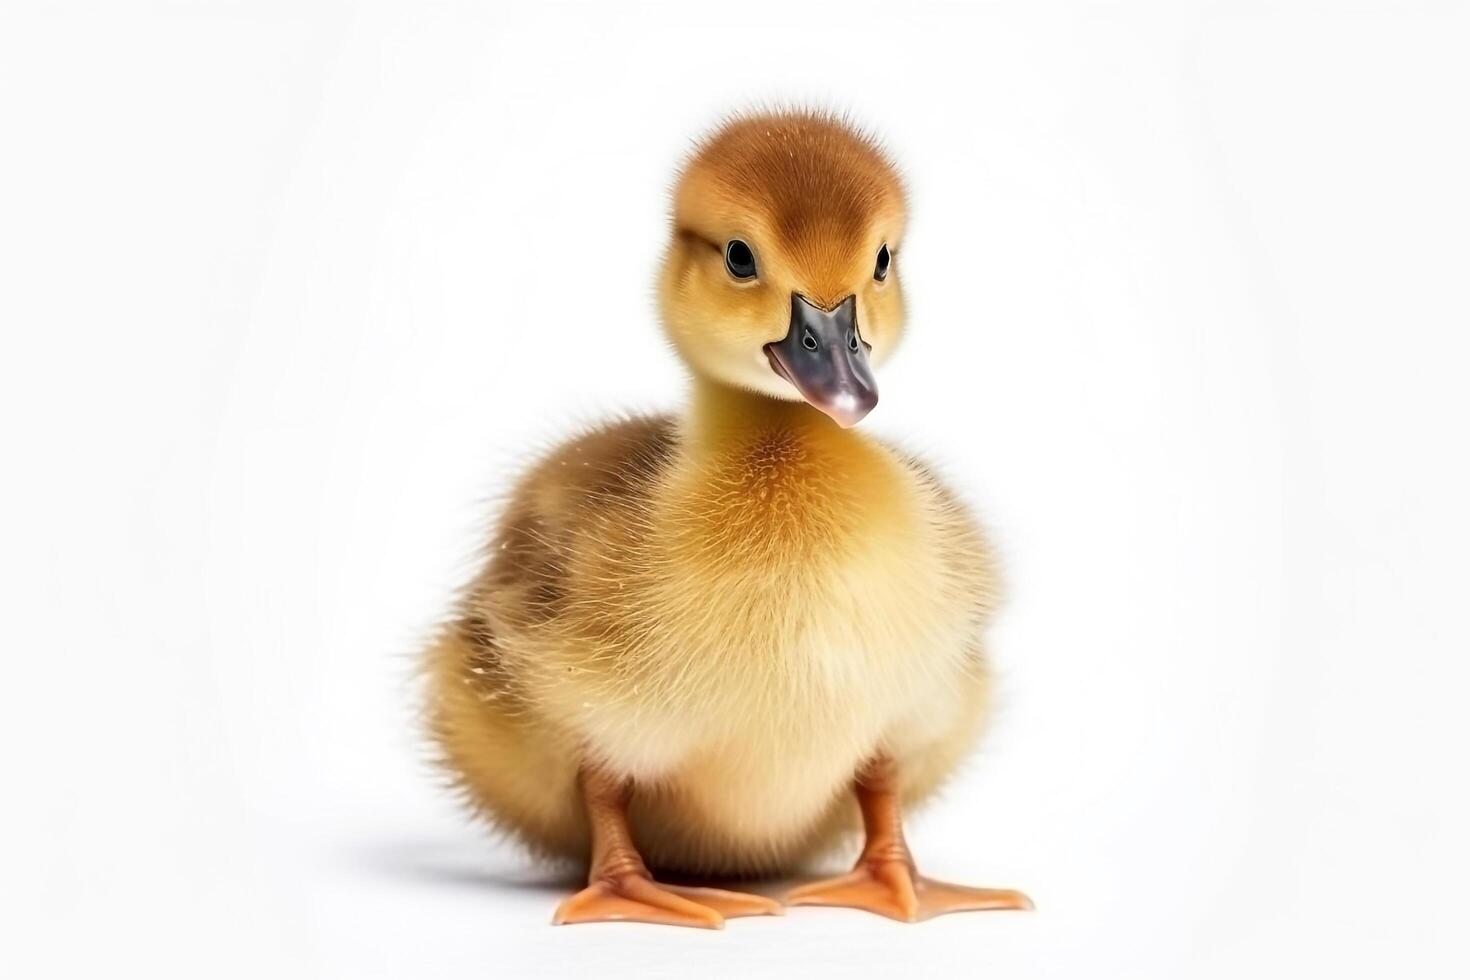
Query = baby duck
x=717 y=642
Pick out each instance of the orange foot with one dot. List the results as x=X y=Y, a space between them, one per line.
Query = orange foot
x=635 y=897
x=894 y=889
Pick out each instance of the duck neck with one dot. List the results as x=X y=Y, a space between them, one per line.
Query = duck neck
x=721 y=417
x=781 y=471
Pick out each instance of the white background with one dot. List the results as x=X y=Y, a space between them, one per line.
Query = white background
x=289 y=291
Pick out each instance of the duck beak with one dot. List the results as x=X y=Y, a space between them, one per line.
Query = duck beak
x=825 y=359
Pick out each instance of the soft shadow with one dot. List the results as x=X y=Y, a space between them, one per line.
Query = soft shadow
x=460 y=863
x=479 y=864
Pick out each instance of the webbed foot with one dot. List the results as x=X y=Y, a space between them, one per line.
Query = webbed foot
x=892 y=888
x=636 y=897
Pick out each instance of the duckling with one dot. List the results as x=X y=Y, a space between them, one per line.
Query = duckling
x=715 y=643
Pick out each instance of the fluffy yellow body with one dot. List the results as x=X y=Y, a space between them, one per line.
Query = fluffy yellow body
x=736 y=609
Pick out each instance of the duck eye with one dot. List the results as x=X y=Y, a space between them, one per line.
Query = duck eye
x=880 y=269
x=739 y=260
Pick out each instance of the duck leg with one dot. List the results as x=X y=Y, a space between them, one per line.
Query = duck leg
x=885 y=880
x=619 y=887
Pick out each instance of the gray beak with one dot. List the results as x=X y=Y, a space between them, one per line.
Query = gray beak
x=826 y=360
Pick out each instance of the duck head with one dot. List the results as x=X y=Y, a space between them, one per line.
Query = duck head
x=782 y=275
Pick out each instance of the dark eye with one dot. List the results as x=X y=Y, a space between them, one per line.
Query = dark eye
x=739 y=260
x=880 y=268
